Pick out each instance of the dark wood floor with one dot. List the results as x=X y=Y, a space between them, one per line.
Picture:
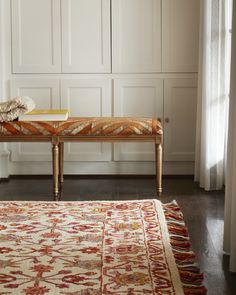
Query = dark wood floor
x=203 y=212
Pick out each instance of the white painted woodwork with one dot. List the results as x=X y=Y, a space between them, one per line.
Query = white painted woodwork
x=180 y=35
x=87 y=98
x=137 y=98
x=180 y=108
x=136 y=36
x=86 y=36
x=45 y=93
x=36 y=36
x=151 y=73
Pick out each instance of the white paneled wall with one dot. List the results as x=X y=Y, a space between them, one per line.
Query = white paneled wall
x=140 y=98
x=45 y=93
x=180 y=119
x=110 y=58
x=180 y=35
x=36 y=36
x=86 y=36
x=136 y=35
x=87 y=98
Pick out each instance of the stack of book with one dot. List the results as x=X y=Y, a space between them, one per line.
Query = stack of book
x=45 y=115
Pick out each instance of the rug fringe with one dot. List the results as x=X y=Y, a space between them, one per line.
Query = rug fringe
x=189 y=271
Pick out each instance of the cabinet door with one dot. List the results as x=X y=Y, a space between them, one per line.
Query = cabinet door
x=87 y=98
x=136 y=36
x=86 y=36
x=45 y=93
x=137 y=98
x=36 y=34
x=180 y=110
x=180 y=35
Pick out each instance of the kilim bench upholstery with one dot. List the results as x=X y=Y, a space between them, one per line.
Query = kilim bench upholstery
x=83 y=130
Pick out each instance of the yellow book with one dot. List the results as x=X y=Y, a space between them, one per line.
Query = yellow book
x=45 y=115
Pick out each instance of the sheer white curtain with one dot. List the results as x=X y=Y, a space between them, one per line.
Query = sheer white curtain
x=213 y=90
x=230 y=196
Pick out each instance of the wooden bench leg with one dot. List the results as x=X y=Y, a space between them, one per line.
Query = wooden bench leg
x=158 y=169
x=55 y=169
x=61 y=162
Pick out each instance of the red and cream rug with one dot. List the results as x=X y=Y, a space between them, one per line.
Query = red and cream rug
x=95 y=248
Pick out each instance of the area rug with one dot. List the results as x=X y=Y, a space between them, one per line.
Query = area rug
x=95 y=248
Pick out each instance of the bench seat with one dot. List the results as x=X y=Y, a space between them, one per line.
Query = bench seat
x=85 y=130
x=84 y=127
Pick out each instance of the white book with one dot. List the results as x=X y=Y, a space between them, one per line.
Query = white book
x=45 y=115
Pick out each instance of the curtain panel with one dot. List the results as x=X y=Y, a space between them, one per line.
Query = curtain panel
x=213 y=92
x=230 y=196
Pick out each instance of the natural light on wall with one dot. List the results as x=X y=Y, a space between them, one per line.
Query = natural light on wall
x=213 y=92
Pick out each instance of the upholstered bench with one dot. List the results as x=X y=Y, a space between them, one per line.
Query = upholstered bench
x=84 y=130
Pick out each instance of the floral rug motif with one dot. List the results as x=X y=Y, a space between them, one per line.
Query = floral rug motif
x=96 y=248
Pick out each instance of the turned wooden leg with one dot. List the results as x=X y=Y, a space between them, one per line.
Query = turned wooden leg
x=159 y=168
x=55 y=169
x=61 y=162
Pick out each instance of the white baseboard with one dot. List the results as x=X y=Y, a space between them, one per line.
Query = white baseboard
x=103 y=168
